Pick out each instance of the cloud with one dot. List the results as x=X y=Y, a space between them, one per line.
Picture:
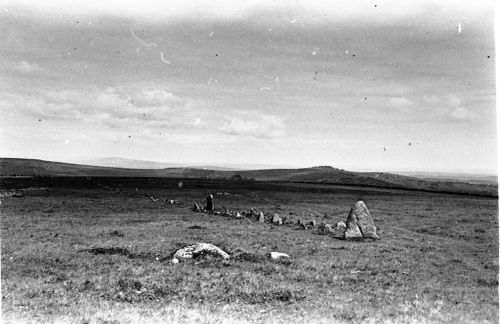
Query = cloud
x=198 y=122
x=456 y=110
x=157 y=97
x=266 y=126
x=112 y=107
x=459 y=113
x=450 y=105
x=400 y=101
x=299 y=9
x=26 y=67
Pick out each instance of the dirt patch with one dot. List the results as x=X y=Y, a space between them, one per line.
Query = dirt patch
x=250 y=257
x=116 y=234
x=278 y=295
x=197 y=227
x=110 y=250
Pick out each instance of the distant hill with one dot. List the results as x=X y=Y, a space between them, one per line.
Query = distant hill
x=116 y=162
x=324 y=175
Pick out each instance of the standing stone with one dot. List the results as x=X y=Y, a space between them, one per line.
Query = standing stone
x=352 y=230
x=360 y=223
x=262 y=219
x=277 y=219
x=210 y=203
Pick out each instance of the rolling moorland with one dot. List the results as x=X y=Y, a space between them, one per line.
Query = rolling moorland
x=98 y=250
x=86 y=244
x=316 y=175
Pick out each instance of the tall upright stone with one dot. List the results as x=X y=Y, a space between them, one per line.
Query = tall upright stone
x=210 y=203
x=360 y=223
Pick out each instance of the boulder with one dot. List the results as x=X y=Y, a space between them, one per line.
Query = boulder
x=278 y=255
x=312 y=223
x=192 y=251
x=360 y=223
x=210 y=203
x=262 y=219
x=277 y=219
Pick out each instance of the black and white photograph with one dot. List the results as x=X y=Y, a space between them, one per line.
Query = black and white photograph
x=279 y=161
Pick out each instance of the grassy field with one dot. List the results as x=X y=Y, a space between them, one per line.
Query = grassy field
x=102 y=256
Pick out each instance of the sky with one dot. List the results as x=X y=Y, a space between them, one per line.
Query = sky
x=369 y=85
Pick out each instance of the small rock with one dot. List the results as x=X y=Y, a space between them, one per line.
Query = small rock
x=174 y=261
x=312 y=223
x=339 y=230
x=277 y=219
x=301 y=225
x=324 y=229
x=238 y=215
x=278 y=255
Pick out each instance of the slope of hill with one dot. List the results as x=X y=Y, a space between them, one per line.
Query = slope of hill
x=324 y=175
x=453 y=177
x=444 y=184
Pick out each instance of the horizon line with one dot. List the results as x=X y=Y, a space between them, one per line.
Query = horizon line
x=257 y=166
